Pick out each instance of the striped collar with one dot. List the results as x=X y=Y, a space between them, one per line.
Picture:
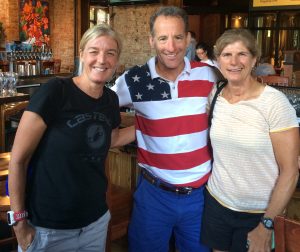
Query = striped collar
x=154 y=74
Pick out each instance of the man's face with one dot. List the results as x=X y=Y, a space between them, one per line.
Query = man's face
x=170 y=41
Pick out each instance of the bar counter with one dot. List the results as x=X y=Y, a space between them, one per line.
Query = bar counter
x=4 y=160
x=16 y=98
x=39 y=79
x=28 y=84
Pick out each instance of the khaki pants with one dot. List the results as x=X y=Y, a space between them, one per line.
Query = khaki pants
x=91 y=238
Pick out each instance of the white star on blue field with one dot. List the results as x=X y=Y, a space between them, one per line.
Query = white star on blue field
x=143 y=88
x=136 y=78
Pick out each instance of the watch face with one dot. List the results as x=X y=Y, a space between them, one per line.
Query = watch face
x=269 y=223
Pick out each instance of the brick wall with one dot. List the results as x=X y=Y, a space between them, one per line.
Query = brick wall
x=10 y=19
x=62 y=32
x=61 y=15
x=132 y=23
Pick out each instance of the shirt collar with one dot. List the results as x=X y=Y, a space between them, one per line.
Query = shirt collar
x=154 y=74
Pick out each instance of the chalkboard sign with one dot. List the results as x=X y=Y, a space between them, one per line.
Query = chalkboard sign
x=293 y=94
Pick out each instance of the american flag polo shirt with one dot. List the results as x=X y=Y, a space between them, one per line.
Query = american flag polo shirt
x=171 y=121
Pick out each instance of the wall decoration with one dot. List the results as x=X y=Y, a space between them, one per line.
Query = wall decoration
x=34 y=22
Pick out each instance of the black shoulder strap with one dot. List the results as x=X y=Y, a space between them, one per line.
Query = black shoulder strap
x=220 y=85
x=217 y=73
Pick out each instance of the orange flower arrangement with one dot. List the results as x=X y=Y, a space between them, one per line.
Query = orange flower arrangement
x=34 y=22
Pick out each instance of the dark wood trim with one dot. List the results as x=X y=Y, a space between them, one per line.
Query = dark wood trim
x=76 y=25
x=85 y=16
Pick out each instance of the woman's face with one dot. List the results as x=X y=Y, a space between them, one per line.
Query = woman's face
x=100 y=59
x=202 y=55
x=236 y=62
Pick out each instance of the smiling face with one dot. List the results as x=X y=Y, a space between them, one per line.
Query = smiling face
x=170 y=41
x=236 y=62
x=202 y=55
x=100 y=58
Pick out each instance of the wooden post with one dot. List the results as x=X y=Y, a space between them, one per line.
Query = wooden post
x=172 y=2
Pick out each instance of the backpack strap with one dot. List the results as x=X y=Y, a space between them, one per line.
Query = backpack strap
x=220 y=85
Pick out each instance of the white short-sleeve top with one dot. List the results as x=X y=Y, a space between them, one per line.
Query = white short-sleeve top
x=245 y=170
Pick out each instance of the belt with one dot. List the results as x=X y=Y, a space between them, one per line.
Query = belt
x=165 y=186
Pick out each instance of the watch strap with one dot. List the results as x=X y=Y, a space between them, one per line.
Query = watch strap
x=14 y=217
x=267 y=222
x=22 y=215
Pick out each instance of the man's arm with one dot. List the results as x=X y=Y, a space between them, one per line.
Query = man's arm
x=120 y=137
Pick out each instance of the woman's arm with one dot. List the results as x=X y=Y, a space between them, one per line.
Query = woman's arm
x=120 y=137
x=286 y=150
x=29 y=133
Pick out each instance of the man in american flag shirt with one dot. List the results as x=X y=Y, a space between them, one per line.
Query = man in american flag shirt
x=169 y=96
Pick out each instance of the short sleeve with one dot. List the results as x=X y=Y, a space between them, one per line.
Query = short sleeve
x=116 y=118
x=47 y=99
x=282 y=115
x=122 y=91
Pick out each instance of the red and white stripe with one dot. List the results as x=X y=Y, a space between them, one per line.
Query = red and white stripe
x=175 y=147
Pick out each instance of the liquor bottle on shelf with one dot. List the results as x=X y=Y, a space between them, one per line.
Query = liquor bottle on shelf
x=30 y=61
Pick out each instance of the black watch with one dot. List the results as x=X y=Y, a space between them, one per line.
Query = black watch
x=267 y=222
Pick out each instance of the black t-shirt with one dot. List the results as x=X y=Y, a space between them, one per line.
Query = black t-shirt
x=66 y=182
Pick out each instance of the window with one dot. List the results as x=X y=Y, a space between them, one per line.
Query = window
x=98 y=15
x=236 y=20
x=276 y=33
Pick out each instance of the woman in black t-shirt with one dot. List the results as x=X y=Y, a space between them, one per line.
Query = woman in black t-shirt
x=57 y=179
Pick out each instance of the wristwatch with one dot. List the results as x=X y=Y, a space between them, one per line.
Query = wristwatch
x=267 y=222
x=14 y=217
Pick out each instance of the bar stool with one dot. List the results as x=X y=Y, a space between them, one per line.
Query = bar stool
x=287 y=233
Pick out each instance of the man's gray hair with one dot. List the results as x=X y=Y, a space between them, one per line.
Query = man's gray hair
x=171 y=11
